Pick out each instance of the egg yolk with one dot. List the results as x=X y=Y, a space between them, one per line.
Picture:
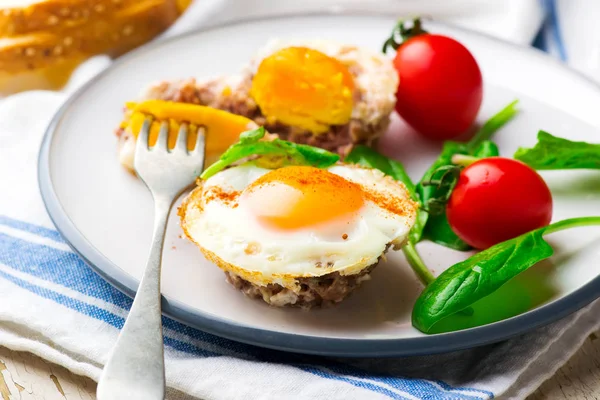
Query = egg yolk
x=302 y=87
x=300 y=197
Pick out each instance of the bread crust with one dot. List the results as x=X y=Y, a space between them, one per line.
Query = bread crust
x=42 y=43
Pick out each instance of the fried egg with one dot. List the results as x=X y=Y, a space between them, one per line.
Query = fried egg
x=271 y=230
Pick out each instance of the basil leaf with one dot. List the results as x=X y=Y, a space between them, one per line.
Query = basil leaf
x=289 y=153
x=551 y=152
x=478 y=276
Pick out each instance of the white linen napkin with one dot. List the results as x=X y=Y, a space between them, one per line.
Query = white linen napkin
x=56 y=307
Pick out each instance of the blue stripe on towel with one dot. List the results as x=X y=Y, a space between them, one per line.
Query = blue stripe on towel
x=97 y=313
x=66 y=269
x=27 y=227
x=364 y=385
x=57 y=266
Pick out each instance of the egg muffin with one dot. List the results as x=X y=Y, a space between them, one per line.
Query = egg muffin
x=297 y=235
x=320 y=93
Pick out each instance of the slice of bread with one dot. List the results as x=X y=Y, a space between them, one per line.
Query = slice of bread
x=42 y=41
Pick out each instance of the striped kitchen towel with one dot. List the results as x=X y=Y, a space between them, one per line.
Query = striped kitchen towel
x=56 y=307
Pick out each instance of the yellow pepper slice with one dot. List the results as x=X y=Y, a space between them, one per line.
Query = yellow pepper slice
x=222 y=128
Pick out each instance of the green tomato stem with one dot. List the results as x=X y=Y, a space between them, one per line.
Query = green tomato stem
x=464 y=160
x=572 y=223
x=404 y=32
x=416 y=262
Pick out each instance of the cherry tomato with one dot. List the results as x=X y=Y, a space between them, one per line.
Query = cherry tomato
x=497 y=199
x=440 y=88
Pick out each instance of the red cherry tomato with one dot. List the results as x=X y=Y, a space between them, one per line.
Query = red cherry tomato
x=497 y=199
x=440 y=88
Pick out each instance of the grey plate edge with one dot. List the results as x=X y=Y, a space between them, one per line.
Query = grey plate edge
x=340 y=347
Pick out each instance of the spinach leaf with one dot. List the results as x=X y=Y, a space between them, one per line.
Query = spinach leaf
x=438 y=231
x=483 y=273
x=367 y=157
x=282 y=151
x=431 y=189
x=551 y=152
x=486 y=149
x=434 y=198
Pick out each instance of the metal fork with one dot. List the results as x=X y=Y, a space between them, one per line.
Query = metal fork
x=135 y=369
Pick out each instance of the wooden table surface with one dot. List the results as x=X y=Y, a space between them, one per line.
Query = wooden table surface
x=24 y=376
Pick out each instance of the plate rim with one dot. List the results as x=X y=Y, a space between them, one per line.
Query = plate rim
x=292 y=342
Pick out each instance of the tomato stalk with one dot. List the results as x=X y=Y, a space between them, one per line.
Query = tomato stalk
x=403 y=31
x=464 y=160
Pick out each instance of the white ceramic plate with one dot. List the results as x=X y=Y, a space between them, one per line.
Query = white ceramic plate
x=106 y=213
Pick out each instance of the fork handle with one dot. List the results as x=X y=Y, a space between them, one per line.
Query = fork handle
x=135 y=369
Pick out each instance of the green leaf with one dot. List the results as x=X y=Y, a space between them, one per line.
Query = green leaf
x=486 y=149
x=492 y=125
x=478 y=276
x=438 y=230
x=438 y=195
x=286 y=153
x=367 y=157
x=313 y=156
x=551 y=152
x=427 y=192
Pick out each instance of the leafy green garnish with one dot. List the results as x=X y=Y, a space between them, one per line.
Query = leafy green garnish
x=471 y=280
x=438 y=231
x=435 y=187
x=367 y=157
x=281 y=151
x=551 y=152
x=487 y=148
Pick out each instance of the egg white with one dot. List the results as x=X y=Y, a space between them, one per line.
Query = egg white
x=231 y=237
